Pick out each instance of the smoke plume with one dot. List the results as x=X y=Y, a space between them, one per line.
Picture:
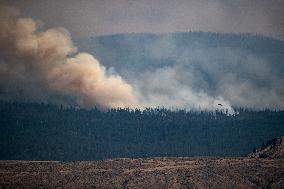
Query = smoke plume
x=43 y=66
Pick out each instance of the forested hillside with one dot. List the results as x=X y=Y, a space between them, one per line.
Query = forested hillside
x=46 y=132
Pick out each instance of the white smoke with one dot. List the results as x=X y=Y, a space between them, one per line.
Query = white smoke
x=163 y=88
x=42 y=66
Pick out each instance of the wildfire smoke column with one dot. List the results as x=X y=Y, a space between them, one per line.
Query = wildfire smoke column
x=40 y=65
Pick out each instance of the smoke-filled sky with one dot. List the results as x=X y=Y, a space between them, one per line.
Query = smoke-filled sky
x=39 y=62
x=102 y=17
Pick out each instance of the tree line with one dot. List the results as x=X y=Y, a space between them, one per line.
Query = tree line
x=37 y=131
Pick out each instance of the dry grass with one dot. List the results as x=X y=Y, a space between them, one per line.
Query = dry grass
x=145 y=173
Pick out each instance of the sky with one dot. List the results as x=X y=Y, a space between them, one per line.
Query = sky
x=84 y=18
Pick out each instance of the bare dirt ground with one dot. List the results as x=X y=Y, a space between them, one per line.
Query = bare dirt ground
x=145 y=173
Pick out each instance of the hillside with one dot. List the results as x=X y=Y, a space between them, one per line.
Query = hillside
x=272 y=149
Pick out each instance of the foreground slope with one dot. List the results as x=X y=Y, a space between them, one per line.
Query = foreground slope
x=145 y=173
x=151 y=172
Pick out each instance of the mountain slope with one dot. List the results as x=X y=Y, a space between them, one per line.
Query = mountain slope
x=139 y=52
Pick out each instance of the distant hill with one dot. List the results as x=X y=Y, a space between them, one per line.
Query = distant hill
x=272 y=149
x=140 y=52
x=244 y=69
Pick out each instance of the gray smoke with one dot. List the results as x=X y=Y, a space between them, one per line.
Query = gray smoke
x=196 y=76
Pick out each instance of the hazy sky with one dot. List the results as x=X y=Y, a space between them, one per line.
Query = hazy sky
x=102 y=17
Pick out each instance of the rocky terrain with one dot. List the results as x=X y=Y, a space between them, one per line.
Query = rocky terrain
x=273 y=149
x=254 y=171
